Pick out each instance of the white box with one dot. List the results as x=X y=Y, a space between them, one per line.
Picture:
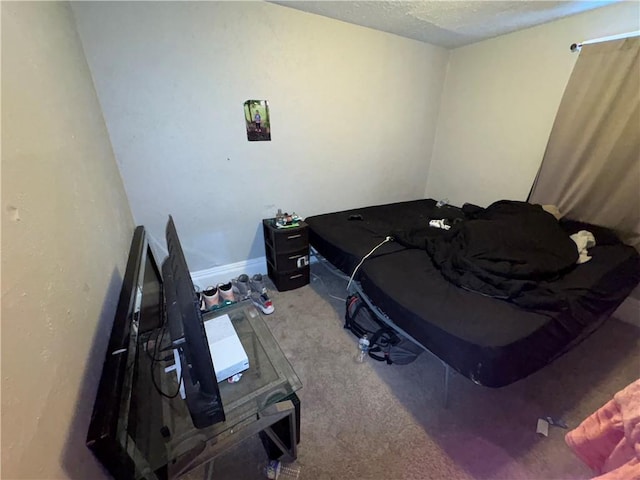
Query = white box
x=227 y=353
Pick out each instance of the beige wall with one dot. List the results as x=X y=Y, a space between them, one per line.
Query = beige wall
x=66 y=229
x=499 y=103
x=353 y=115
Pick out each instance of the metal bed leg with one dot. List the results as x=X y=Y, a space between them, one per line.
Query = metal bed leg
x=208 y=470
x=445 y=403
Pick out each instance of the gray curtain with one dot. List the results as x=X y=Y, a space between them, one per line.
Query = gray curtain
x=591 y=167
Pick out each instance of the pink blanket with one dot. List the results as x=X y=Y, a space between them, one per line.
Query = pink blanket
x=608 y=441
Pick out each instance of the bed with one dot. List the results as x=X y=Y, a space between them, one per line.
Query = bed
x=493 y=337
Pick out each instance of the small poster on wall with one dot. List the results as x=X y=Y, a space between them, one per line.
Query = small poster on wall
x=256 y=116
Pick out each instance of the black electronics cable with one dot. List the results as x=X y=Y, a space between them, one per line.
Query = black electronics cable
x=153 y=378
x=154 y=359
x=157 y=340
x=157 y=387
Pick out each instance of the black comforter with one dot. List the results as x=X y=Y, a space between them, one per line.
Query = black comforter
x=509 y=250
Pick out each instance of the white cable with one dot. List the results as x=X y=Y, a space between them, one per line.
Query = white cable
x=388 y=239
x=330 y=268
x=320 y=279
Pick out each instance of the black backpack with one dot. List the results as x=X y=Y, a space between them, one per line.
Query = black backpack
x=385 y=344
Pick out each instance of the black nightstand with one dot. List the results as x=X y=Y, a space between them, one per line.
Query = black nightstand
x=287 y=253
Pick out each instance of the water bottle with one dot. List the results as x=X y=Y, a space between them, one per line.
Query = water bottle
x=363 y=349
x=279 y=218
x=276 y=470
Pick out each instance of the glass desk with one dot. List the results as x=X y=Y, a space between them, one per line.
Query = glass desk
x=161 y=437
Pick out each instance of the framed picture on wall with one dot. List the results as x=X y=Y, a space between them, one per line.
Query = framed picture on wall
x=256 y=117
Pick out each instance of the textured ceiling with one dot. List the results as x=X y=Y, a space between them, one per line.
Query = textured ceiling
x=445 y=23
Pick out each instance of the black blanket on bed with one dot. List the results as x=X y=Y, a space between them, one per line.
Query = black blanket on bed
x=510 y=250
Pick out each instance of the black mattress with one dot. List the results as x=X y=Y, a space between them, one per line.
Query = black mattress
x=491 y=341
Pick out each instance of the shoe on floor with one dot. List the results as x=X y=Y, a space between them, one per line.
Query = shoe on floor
x=225 y=291
x=257 y=284
x=259 y=294
x=261 y=300
x=199 y=297
x=211 y=297
x=241 y=287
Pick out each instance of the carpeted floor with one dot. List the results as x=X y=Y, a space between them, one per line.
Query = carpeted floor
x=375 y=421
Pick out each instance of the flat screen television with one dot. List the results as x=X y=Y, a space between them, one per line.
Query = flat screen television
x=187 y=331
x=140 y=309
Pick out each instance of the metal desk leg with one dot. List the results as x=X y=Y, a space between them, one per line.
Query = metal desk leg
x=269 y=417
x=291 y=449
x=286 y=430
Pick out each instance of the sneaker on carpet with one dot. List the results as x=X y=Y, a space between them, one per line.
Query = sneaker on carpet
x=257 y=284
x=241 y=287
x=259 y=294
x=226 y=292
x=198 y=291
x=261 y=300
x=211 y=297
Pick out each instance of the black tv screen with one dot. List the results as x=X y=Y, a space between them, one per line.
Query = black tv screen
x=188 y=334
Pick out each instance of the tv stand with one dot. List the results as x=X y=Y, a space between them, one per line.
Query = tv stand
x=262 y=402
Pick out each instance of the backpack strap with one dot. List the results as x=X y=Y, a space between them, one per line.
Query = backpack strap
x=348 y=315
x=354 y=304
x=373 y=352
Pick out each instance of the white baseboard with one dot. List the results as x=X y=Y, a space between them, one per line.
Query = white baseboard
x=629 y=311
x=224 y=273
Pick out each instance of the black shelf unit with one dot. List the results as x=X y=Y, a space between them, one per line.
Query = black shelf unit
x=287 y=254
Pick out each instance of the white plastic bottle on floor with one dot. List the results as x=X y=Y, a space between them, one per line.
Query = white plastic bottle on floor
x=363 y=349
x=276 y=470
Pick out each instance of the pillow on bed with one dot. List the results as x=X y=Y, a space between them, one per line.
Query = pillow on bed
x=553 y=210
x=603 y=235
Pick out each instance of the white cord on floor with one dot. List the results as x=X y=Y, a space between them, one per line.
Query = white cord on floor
x=330 y=268
x=319 y=278
x=388 y=239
